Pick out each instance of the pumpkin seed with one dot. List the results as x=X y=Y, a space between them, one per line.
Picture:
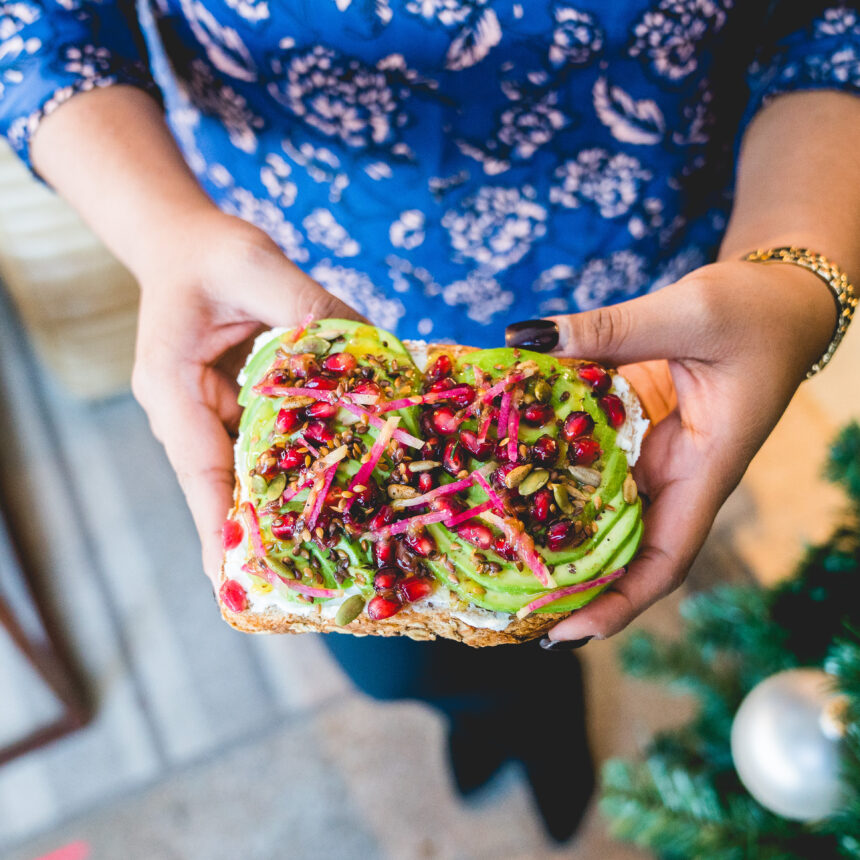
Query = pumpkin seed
x=533 y=482
x=562 y=499
x=280 y=568
x=585 y=475
x=276 y=488
x=423 y=465
x=515 y=477
x=543 y=391
x=330 y=333
x=259 y=485
x=629 y=490
x=296 y=402
x=313 y=344
x=402 y=491
x=349 y=610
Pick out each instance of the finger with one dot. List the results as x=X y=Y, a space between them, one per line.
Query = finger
x=676 y=526
x=665 y=324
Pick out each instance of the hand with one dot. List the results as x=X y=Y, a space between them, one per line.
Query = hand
x=739 y=338
x=203 y=301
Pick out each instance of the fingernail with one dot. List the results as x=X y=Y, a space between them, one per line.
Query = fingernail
x=538 y=335
x=563 y=644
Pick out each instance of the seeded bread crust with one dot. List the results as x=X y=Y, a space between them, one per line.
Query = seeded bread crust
x=422 y=626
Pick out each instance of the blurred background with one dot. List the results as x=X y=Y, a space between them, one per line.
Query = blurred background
x=141 y=726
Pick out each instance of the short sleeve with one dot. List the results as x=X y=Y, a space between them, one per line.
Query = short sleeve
x=52 y=49
x=820 y=52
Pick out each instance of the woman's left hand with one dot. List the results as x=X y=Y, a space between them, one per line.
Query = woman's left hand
x=739 y=338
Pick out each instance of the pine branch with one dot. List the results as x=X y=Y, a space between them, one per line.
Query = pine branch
x=844 y=464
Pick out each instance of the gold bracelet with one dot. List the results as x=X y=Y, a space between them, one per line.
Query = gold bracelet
x=832 y=275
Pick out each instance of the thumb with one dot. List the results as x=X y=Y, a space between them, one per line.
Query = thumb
x=666 y=324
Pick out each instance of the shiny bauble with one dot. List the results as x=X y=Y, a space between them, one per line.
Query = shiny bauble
x=786 y=739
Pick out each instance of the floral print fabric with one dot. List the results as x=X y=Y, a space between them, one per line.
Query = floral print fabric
x=448 y=166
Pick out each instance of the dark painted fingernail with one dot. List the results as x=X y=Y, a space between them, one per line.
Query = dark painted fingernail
x=563 y=644
x=538 y=335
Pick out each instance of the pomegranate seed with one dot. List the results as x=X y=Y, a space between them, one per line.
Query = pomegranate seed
x=404 y=558
x=442 y=385
x=477 y=535
x=321 y=383
x=432 y=448
x=540 y=505
x=596 y=377
x=614 y=409
x=441 y=367
x=284 y=526
x=382 y=607
x=538 y=414
x=277 y=377
x=291 y=457
x=321 y=410
x=231 y=534
x=504 y=549
x=584 y=451
x=498 y=477
x=368 y=495
x=340 y=363
x=385 y=580
x=381 y=519
x=479 y=450
x=383 y=551
x=577 y=424
x=233 y=596
x=545 y=451
x=444 y=421
x=447 y=504
x=367 y=387
x=425 y=482
x=464 y=397
x=559 y=535
x=319 y=432
x=501 y=453
x=302 y=365
x=421 y=544
x=415 y=588
x=268 y=462
x=453 y=460
x=287 y=421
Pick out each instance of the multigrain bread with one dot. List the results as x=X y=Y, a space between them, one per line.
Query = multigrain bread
x=424 y=620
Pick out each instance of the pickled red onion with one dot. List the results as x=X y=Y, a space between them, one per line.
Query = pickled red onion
x=570 y=589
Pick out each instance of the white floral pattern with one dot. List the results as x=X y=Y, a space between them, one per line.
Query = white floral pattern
x=497 y=226
x=605 y=281
x=576 y=39
x=321 y=165
x=275 y=176
x=223 y=45
x=321 y=228
x=610 y=182
x=481 y=295
x=527 y=125
x=630 y=120
x=838 y=21
x=250 y=10
x=357 y=290
x=269 y=218
x=408 y=230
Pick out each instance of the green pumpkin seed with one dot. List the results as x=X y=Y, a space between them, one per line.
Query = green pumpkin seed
x=349 y=610
x=516 y=476
x=330 y=333
x=276 y=487
x=313 y=344
x=533 y=482
x=258 y=485
x=280 y=568
x=562 y=499
x=543 y=391
x=585 y=475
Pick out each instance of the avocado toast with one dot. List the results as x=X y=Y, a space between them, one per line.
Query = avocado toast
x=397 y=489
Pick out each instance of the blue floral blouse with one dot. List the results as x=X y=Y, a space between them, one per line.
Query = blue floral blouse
x=448 y=166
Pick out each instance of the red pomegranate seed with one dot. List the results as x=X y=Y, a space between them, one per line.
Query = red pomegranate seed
x=596 y=377
x=367 y=387
x=284 y=526
x=277 y=377
x=321 y=410
x=385 y=580
x=441 y=367
x=453 y=460
x=302 y=365
x=614 y=409
x=268 y=462
x=545 y=451
x=291 y=456
x=319 y=432
x=538 y=414
x=231 y=534
x=479 y=450
x=432 y=448
x=501 y=453
x=369 y=494
x=340 y=363
x=383 y=551
x=477 y=535
x=540 y=504
x=442 y=384
x=321 y=383
x=447 y=504
x=444 y=421
x=381 y=519
x=233 y=596
x=498 y=477
x=584 y=451
x=577 y=424
x=465 y=396
x=425 y=482
x=287 y=421
x=504 y=549
x=559 y=535
x=415 y=588
x=382 y=607
x=421 y=544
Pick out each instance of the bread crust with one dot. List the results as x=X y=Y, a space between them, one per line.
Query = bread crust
x=421 y=626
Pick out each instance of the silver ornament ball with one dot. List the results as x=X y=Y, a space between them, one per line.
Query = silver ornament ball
x=786 y=744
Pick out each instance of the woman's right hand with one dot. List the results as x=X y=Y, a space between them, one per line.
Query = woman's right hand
x=218 y=283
